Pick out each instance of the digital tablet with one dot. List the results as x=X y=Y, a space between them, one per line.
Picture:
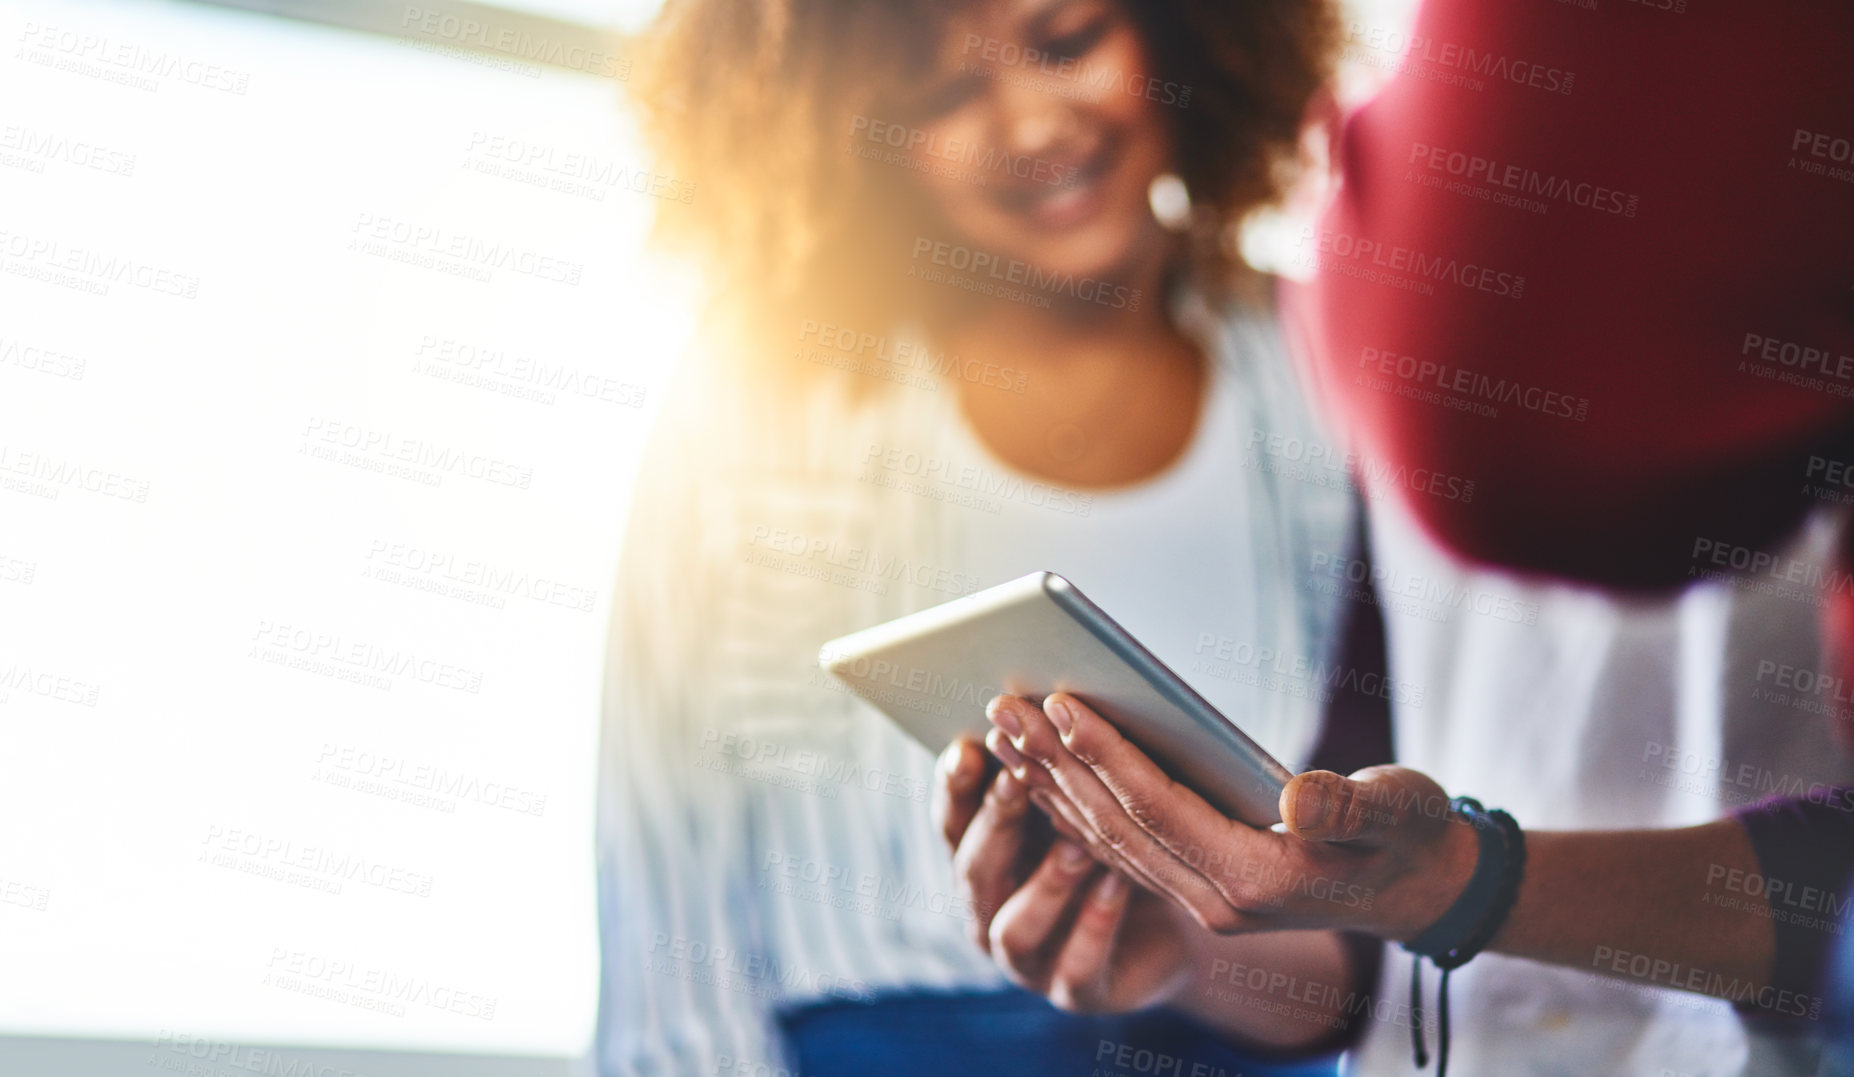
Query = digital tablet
x=932 y=672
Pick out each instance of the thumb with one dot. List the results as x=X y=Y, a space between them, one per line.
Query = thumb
x=1368 y=807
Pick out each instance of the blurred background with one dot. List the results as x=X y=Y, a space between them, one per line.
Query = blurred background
x=326 y=355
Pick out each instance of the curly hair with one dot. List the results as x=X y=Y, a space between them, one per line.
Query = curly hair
x=753 y=100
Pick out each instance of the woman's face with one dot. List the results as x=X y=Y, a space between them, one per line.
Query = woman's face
x=1033 y=137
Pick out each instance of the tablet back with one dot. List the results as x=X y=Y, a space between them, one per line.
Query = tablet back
x=932 y=673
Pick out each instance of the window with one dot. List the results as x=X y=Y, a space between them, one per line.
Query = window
x=325 y=359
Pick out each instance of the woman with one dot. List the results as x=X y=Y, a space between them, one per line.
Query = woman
x=950 y=343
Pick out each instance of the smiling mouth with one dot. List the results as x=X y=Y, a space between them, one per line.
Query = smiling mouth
x=1068 y=191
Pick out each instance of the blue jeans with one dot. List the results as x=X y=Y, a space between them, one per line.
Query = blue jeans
x=1012 y=1034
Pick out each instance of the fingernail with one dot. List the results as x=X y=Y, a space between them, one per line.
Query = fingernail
x=1310 y=806
x=1059 y=714
x=1111 y=890
x=954 y=763
x=1003 y=713
x=1071 y=857
x=1001 y=748
x=1007 y=787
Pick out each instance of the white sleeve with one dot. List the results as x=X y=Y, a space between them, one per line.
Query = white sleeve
x=683 y=986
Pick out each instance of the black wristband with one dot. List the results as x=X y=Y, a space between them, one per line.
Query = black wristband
x=1480 y=900
x=1512 y=872
x=1474 y=918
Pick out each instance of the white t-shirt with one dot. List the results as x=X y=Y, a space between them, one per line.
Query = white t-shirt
x=1576 y=709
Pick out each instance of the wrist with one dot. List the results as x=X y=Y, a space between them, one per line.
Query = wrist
x=1204 y=960
x=1432 y=883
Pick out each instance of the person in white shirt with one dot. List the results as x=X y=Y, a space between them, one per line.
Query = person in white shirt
x=976 y=312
